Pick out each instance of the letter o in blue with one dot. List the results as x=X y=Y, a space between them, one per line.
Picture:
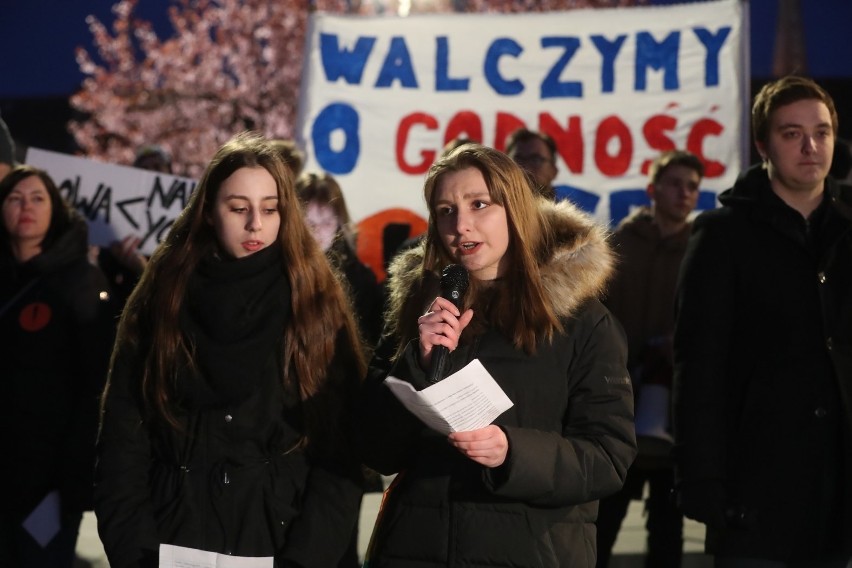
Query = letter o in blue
x=333 y=117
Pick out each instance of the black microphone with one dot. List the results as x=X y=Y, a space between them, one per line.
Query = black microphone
x=454 y=281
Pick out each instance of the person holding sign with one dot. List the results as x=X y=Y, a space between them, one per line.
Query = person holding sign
x=122 y=261
x=56 y=332
x=523 y=490
x=226 y=415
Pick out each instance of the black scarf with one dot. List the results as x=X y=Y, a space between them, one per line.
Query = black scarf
x=234 y=315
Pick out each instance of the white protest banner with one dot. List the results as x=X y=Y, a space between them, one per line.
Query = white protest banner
x=612 y=87
x=117 y=200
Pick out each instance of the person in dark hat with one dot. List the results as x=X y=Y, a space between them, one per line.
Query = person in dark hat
x=122 y=261
x=153 y=157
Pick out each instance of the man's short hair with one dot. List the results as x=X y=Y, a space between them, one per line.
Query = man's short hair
x=293 y=157
x=674 y=158
x=785 y=91
x=523 y=134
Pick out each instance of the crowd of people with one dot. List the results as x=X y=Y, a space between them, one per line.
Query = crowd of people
x=228 y=394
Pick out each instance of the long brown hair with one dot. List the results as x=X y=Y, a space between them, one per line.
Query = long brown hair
x=321 y=321
x=521 y=310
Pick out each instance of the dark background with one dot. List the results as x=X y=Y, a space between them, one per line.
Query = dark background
x=38 y=70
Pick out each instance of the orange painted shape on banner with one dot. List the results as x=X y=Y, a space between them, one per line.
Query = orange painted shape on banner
x=35 y=316
x=371 y=235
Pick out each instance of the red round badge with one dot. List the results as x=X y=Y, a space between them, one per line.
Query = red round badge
x=35 y=316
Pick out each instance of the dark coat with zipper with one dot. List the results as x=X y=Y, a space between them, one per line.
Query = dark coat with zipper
x=763 y=376
x=56 y=334
x=570 y=431
x=234 y=479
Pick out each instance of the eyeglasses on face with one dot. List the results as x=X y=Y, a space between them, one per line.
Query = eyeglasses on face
x=535 y=160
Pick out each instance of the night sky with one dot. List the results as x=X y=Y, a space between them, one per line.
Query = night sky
x=38 y=70
x=38 y=38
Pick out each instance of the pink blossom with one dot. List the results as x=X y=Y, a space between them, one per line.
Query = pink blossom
x=230 y=65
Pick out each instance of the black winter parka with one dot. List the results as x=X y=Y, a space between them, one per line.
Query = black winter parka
x=570 y=432
x=763 y=376
x=233 y=479
x=56 y=335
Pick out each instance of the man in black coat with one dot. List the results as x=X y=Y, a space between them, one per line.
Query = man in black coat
x=763 y=349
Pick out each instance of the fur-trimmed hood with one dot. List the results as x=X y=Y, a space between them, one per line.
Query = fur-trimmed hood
x=578 y=266
x=580 y=259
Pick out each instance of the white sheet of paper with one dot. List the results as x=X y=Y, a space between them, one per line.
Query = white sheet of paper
x=43 y=522
x=466 y=400
x=172 y=556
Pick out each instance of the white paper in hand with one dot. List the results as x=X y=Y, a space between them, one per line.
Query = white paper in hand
x=467 y=400
x=182 y=557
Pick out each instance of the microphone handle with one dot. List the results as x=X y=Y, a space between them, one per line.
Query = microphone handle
x=437 y=369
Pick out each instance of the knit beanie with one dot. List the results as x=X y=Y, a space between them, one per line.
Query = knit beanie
x=7 y=145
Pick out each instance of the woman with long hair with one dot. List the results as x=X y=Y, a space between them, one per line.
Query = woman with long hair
x=328 y=218
x=226 y=413
x=56 y=333
x=522 y=491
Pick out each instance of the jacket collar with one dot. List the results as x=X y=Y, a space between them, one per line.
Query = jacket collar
x=753 y=191
x=640 y=224
x=753 y=187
